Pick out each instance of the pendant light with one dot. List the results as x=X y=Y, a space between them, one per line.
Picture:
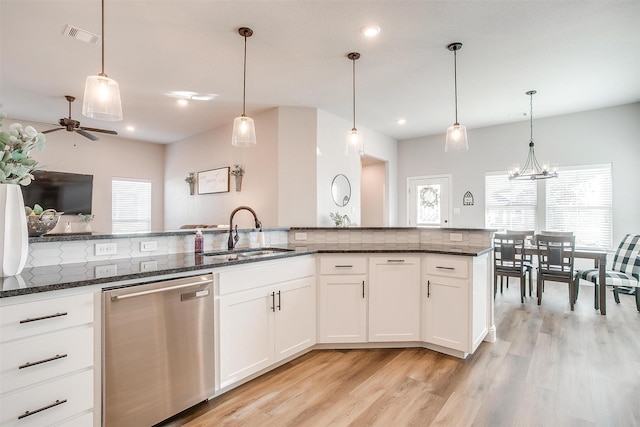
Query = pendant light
x=355 y=143
x=531 y=168
x=244 y=131
x=456 y=134
x=102 y=94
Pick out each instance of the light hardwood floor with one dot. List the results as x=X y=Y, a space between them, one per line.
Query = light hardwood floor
x=549 y=367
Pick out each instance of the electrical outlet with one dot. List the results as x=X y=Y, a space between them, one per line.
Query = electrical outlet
x=148 y=266
x=106 y=249
x=301 y=236
x=106 y=270
x=148 y=246
x=455 y=237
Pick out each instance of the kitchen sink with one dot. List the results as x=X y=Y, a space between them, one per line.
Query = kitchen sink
x=240 y=254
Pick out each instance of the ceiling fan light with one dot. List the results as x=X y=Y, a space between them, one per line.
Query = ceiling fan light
x=102 y=99
x=244 y=132
x=456 y=139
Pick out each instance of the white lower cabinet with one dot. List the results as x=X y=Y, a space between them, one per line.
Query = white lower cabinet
x=455 y=301
x=46 y=360
x=274 y=317
x=342 y=305
x=394 y=298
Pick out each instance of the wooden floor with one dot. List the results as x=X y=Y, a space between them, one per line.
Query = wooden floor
x=549 y=367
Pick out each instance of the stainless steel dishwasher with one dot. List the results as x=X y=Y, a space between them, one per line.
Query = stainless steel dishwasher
x=158 y=350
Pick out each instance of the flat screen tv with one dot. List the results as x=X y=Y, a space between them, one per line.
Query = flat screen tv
x=70 y=193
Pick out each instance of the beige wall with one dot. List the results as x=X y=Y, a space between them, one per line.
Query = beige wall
x=105 y=159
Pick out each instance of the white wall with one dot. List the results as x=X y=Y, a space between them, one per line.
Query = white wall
x=104 y=159
x=374 y=191
x=590 y=137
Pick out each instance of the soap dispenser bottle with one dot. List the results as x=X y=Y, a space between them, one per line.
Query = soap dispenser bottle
x=198 y=242
x=261 y=243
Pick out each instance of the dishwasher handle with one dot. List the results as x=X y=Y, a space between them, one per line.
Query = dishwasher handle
x=155 y=291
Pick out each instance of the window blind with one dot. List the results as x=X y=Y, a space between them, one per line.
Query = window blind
x=130 y=206
x=509 y=205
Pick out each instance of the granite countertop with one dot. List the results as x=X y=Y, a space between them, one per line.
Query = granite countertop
x=64 y=276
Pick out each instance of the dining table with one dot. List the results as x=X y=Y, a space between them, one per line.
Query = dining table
x=600 y=261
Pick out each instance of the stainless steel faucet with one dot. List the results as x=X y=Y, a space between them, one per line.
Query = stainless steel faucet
x=234 y=239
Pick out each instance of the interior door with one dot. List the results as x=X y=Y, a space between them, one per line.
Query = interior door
x=428 y=200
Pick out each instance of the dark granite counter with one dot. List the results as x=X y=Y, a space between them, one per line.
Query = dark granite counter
x=64 y=276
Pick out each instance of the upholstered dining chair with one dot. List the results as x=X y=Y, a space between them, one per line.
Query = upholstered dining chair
x=508 y=260
x=625 y=270
x=555 y=262
x=528 y=258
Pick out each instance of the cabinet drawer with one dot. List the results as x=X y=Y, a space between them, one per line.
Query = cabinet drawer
x=27 y=319
x=31 y=360
x=343 y=265
x=450 y=266
x=48 y=403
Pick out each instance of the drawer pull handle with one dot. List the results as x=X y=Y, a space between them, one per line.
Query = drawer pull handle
x=445 y=268
x=344 y=266
x=44 y=408
x=395 y=260
x=29 y=364
x=428 y=288
x=35 y=319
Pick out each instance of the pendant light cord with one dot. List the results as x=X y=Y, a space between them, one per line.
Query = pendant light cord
x=102 y=73
x=455 y=79
x=354 y=92
x=531 y=116
x=244 y=79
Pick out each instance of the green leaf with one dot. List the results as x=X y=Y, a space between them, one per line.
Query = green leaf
x=37 y=209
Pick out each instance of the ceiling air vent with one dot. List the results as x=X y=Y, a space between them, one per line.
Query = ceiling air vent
x=82 y=35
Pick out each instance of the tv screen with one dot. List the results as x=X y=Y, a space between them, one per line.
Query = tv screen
x=65 y=192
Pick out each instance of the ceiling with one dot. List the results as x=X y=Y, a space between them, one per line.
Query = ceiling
x=578 y=55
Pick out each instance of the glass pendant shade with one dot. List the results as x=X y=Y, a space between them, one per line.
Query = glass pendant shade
x=244 y=132
x=456 y=139
x=102 y=99
x=355 y=143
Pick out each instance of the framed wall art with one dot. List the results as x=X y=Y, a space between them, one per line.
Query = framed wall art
x=213 y=181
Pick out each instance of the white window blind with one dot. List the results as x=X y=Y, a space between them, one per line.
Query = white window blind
x=580 y=200
x=130 y=206
x=510 y=205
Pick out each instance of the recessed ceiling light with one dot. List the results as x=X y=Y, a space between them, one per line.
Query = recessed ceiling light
x=401 y=121
x=131 y=128
x=195 y=96
x=370 y=30
x=182 y=102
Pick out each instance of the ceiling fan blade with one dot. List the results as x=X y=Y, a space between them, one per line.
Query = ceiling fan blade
x=110 y=132
x=87 y=135
x=51 y=130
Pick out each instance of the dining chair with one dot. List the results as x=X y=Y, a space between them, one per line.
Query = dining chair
x=528 y=258
x=508 y=260
x=555 y=262
x=625 y=270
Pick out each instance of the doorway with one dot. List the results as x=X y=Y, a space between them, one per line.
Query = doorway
x=373 y=202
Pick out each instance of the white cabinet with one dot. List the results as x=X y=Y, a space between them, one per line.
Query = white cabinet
x=46 y=360
x=266 y=313
x=455 y=295
x=342 y=305
x=394 y=298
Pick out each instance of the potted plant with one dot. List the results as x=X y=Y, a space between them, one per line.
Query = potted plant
x=340 y=220
x=191 y=180
x=238 y=171
x=86 y=218
x=16 y=166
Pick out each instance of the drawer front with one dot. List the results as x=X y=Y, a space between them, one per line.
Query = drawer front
x=48 y=403
x=29 y=361
x=343 y=265
x=449 y=266
x=27 y=319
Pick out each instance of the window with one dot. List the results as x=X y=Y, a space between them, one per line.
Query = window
x=130 y=206
x=579 y=200
x=510 y=205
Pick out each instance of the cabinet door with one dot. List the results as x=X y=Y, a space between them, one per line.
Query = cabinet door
x=446 y=313
x=343 y=309
x=394 y=299
x=246 y=333
x=295 y=317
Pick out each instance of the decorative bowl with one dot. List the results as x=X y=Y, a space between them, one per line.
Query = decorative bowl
x=43 y=223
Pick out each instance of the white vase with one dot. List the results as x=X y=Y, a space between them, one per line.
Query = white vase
x=14 y=238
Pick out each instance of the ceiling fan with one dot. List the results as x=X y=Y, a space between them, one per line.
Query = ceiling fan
x=74 y=126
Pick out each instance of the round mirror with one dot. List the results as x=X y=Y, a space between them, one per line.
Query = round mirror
x=341 y=190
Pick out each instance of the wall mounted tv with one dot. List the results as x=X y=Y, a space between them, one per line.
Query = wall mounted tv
x=70 y=193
